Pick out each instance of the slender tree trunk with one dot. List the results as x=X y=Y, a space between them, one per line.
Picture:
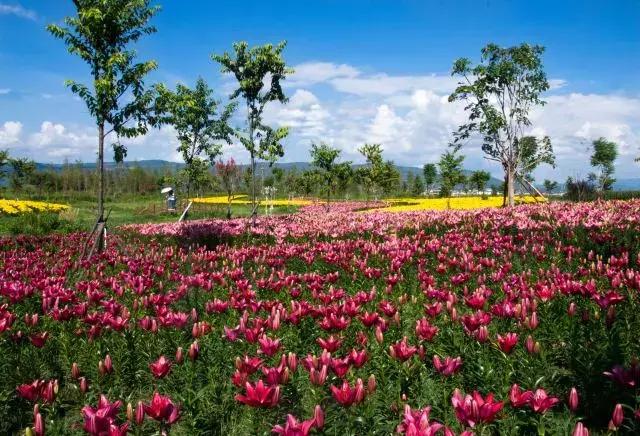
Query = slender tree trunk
x=511 y=187
x=100 y=236
x=504 y=190
x=254 y=203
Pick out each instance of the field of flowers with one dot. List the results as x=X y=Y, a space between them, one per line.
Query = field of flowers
x=244 y=199
x=17 y=207
x=470 y=202
x=488 y=321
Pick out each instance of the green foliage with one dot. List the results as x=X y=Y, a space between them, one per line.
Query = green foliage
x=376 y=174
x=479 y=180
x=417 y=188
x=499 y=93
x=253 y=67
x=4 y=160
x=430 y=173
x=101 y=34
x=200 y=129
x=603 y=157
x=336 y=175
x=550 y=186
x=22 y=172
x=38 y=224
x=450 y=166
x=308 y=182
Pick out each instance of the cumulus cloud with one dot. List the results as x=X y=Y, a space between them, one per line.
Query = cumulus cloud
x=18 y=10
x=10 y=133
x=409 y=115
x=303 y=114
x=310 y=73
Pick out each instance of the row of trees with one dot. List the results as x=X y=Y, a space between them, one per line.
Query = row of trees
x=328 y=177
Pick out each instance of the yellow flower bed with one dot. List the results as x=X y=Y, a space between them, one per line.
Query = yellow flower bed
x=243 y=199
x=16 y=207
x=413 y=204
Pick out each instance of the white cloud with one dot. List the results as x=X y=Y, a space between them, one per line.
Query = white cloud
x=304 y=115
x=18 y=11
x=310 y=73
x=557 y=84
x=409 y=115
x=56 y=141
x=382 y=84
x=5 y=91
x=10 y=133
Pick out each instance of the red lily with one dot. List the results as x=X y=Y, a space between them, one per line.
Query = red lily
x=507 y=342
x=295 y=428
x=519 y=398
x=161 y=408
x=401 y=350
x=346 y=395
x=473 y=409
x=100 y=420
x=330 y=344
x=260 y=395
x=449 y=367
x=161 y=367
x=416 y=422
x=541 y=402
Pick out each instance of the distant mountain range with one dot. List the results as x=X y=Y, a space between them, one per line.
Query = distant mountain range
x=629 y=184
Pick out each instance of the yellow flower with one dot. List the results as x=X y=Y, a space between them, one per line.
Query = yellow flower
x=414 y=204
x=243 y=199
x=16 y=207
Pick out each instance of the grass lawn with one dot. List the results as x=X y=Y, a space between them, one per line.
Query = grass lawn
x=124 y=210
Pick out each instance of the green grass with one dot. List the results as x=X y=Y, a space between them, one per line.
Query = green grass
x=123 y=210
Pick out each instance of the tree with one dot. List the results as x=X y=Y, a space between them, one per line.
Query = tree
x=101 y=34
x=604 y=155
x=479 y=180
x=324 y=158
x=499 y=93
x=343 y=176
x=370 y=175
x=229 y=174
x=4 y=160
x=450 y=166
x=200 y=129
x=389 y=180
x=417 y=188
x=430 y=172
x=308 y=181
x=22 y=172
x=253 y=68
x=579 y=189
x=550 y=186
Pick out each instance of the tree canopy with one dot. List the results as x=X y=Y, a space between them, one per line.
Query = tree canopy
x=499 y=93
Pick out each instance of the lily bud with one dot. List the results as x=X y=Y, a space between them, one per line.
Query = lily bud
x=194 y=350
x=379 y=335
x=84 y=386
x=618 y=415
x=318 y=417
x=38 y=425
x=573 y=400
x=580 y=430
x=139 y=413
x=75 y=371
x=130 y=412
x=371 y=384
x=179 y=355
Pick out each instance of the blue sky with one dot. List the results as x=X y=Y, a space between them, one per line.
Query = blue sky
x=365 y=71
